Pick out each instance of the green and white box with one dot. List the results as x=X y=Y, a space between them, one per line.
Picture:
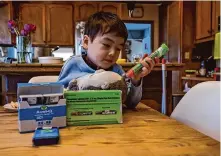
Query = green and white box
x=93 y=107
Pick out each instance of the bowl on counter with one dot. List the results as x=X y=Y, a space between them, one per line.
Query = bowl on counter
x=50 y=60
x=190 y=73
x=121 y=60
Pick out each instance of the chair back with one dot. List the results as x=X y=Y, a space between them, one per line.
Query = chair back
x=200 y=109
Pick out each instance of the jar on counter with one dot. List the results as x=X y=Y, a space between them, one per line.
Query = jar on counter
x=202 y=70
x=24 y=49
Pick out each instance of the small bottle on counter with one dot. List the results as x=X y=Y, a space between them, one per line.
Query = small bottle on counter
x=202 y=70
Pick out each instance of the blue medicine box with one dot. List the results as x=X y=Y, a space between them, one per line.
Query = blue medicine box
x=46 y=136
x=40 y=105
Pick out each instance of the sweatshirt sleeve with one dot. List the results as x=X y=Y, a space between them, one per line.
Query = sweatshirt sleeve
x=134 y=94
x=65 y=75
x=70 y=71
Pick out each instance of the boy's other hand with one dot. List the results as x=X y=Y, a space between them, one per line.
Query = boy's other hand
x=148 y=65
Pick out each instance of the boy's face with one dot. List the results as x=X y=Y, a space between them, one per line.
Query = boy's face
x=104 y=50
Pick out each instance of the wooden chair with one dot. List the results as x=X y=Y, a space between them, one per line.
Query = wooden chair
x=200 y=109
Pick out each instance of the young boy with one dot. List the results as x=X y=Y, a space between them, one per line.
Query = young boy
x=104 y=38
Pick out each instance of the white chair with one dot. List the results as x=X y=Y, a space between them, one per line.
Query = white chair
x=200 y=109
x=38 y=79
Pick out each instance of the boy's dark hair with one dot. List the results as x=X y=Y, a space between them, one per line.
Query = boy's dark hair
x=105 y=22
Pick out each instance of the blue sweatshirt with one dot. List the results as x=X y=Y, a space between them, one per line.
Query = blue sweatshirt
x=76 y=67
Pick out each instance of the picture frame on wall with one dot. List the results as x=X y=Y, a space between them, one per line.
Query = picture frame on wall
x=138 y=12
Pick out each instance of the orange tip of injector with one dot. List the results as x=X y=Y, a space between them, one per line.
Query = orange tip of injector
x=130 y=74
x=163 y=61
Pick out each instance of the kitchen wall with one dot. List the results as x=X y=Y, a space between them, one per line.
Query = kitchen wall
x=151 y=13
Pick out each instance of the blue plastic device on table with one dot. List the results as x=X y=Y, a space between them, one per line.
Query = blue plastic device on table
x=46 y=136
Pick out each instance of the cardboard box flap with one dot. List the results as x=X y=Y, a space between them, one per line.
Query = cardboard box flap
x=39 y=88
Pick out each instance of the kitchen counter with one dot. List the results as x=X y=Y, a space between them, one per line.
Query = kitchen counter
x=22 y=73
x=56 y=68
x=195 y=78
x=144 y=132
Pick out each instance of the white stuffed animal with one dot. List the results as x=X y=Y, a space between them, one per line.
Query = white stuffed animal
x=100 y=80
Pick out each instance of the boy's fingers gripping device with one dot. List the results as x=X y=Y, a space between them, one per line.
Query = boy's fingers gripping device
x=162 y=50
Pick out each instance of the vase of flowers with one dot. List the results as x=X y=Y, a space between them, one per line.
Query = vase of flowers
x=23 y=40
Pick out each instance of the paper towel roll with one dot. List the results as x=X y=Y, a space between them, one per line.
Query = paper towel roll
x=217 y=46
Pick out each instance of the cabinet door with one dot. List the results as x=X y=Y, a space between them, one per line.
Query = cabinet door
x=174 y=39
x=59 y=24
x=203 y=19
x=34 y=14
x=174 y=31
x=84 y=9
x=110 y=7
x=215 y=16
x=5 y=15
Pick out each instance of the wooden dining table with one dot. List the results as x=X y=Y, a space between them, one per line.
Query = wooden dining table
x=144 y=132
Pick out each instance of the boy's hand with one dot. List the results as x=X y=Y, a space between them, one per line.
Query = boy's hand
x=148 y=65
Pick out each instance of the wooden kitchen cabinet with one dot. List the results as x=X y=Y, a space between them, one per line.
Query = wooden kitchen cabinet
x=110 y=7
x=178 y=29
x=203 y=19
x=34 y=14
x=83 y=10
x=174 y=27
x=215 y=16
x=174 y=39
x=54 y=23
x=180 y=32
x=207 y=13
x=5 y=15
x=59 y=21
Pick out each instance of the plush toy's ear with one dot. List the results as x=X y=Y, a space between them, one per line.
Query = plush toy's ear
x=73 y=85
x=105 y=86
